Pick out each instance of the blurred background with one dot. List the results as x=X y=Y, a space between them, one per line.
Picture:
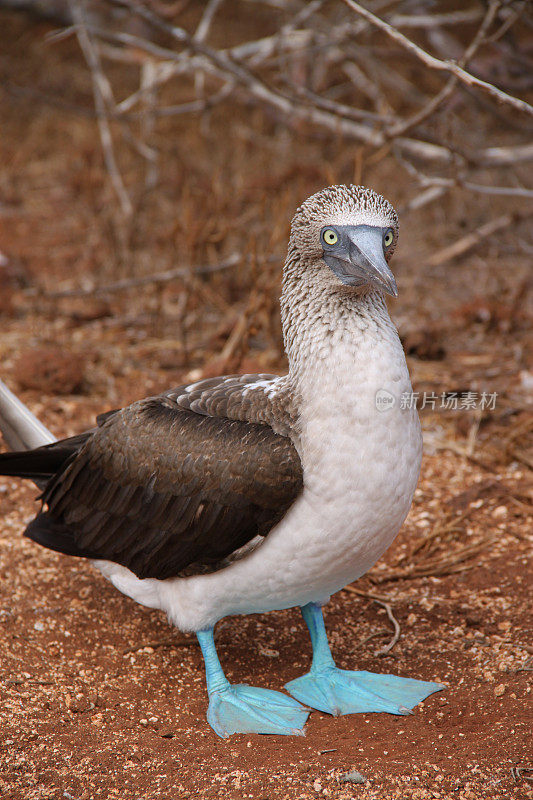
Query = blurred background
x=152 y=156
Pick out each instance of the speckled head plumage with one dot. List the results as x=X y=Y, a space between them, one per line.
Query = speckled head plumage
x=344 y=237
x=341 y=204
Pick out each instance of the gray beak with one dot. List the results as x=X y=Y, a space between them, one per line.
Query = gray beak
x=358 y=259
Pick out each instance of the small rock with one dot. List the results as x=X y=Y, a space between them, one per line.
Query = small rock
x=500 y=690
x=526 y=379
x=352 y=777
x=317 y=786
x=500 y=512
x=50 y=370
x=38 y=626
x=411 y=619
x=77 y=704
x=266 y=651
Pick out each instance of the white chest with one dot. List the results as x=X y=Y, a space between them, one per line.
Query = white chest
x=361 y=458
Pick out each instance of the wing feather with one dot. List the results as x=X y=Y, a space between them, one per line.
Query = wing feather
x=163 y=489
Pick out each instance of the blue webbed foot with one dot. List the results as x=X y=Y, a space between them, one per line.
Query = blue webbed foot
x=247 y=709
x=337 y=691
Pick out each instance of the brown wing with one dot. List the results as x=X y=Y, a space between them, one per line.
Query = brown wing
x=161 y=489
x=255 y=398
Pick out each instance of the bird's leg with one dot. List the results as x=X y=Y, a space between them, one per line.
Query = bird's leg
x=337 y=691
x=246 y=709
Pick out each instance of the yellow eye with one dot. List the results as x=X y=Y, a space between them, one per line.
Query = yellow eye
x=388 y=238
x=330 y=236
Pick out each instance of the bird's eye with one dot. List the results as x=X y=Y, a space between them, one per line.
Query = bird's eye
x=388 y=238
x=330 y=236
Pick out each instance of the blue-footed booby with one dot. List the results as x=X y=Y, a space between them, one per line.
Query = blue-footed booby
x=252 y=493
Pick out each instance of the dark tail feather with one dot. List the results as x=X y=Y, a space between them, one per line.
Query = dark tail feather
x=40 y=464
x=54 y=535
x=40 y=457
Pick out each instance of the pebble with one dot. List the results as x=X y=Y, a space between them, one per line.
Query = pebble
x=352 y=777
x=499 y=690
x=500 y=512
x=269 y=653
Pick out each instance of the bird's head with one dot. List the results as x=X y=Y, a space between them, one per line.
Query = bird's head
x=350 y=231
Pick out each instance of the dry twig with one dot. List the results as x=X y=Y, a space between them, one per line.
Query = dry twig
x=397 y=630
x=144 y=280
x=101 y=92
x=457 y=561
x=466 y=243
x=371 y=595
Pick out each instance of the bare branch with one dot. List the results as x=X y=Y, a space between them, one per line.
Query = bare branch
x=466 y=243
x=504 y=156
x=424 y=198
x=435 y=20
x=145 y=280
x=218 y=63
x=436 y=63
x=502 y=191
x=101 y=92
x=202 y=31
x=462 y=183
x=401 y=128
x=324 y=48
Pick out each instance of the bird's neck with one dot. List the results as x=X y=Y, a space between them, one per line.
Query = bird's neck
x=329 y=328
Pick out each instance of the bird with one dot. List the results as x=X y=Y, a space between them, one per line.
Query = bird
x=254 y=493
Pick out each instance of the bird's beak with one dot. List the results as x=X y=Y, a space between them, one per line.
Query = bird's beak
x=359 y=258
